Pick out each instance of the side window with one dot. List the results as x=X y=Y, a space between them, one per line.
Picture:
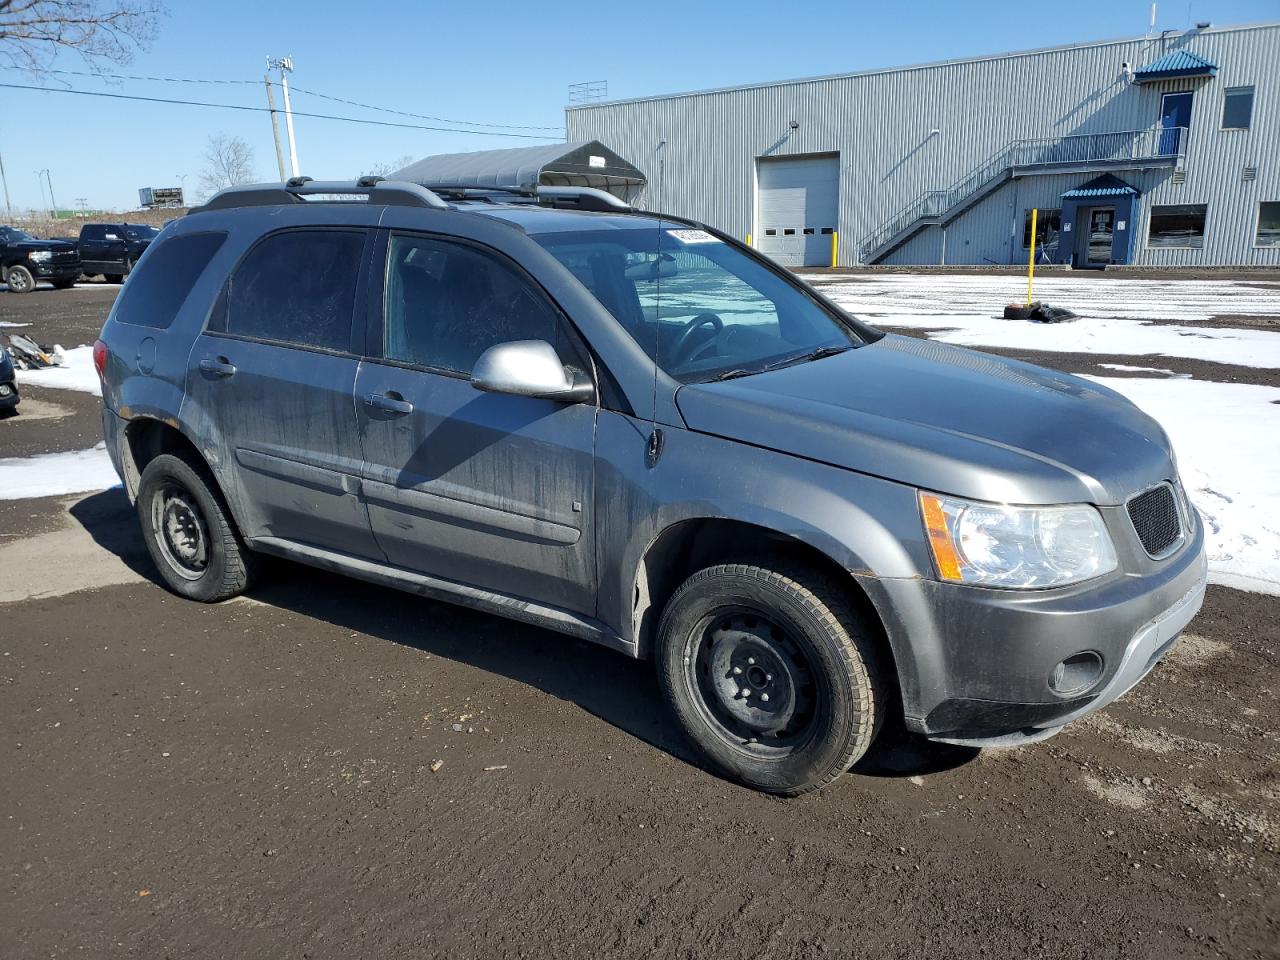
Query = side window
x=1237 y=108
x=92 y=233
x=157 y=289
x=295 y=287
x=446 y=303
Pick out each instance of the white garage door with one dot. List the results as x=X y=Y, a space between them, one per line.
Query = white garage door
x=797 y=202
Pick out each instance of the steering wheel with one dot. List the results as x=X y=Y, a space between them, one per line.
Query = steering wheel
x=681 y=346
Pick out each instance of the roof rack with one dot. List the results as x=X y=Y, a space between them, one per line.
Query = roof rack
x=582 y=198
x=296 y=189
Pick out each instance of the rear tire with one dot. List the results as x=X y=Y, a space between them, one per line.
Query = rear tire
x=189 y=532
x=64 y=284
x=113 y=277
x=814 y=696
x=19 y=279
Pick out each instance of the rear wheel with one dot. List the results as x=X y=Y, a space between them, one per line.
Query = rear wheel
x=64 y=284
x=771 y=673
x=113 y=277
x=189 y=532
x=19 y=279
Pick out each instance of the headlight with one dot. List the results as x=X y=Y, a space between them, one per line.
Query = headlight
x=40 y=255
x=993 y=545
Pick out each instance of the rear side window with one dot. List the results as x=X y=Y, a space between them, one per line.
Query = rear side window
x=297 y=287
x=158 y=287
x=92 y=232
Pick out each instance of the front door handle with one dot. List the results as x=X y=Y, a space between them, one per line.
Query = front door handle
x=390 y=403
x=217 y=366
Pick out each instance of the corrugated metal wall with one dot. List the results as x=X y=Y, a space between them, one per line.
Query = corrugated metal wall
x=700 y=150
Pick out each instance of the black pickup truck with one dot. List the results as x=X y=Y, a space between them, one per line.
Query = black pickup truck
x=112 y=249
x=24 y=261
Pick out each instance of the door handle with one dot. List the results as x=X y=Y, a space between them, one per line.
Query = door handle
x=218 y=367
x=389 y=402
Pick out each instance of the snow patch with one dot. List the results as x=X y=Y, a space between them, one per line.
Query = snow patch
x=1128 y=369
x=966 y=311
x=54 y=474
x=76 y=373
x=1224 y=435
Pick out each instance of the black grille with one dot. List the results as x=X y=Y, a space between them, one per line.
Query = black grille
x=1154 y=514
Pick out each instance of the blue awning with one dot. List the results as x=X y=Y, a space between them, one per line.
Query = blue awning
x=1103 y=186
x=1180 y=63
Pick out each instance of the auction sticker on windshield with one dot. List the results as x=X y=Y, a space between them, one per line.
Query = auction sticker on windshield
x=693 y=236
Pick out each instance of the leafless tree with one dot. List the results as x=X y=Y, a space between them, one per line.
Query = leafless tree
x=227 y=162
x=386 y=169
x=105 y=33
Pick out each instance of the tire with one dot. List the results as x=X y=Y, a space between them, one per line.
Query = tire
x=128 y=266
x=19 y=279
x=189 y=531
x=64 y=284
x=113 y=277
x=782 y=630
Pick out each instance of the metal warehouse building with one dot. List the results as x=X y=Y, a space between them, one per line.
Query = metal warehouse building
x=1162 y=150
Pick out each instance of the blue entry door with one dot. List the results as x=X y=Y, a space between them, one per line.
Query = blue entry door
x=1175 y=118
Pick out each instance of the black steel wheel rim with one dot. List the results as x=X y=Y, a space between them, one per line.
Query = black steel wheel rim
x=180 y=531
x=753 y=682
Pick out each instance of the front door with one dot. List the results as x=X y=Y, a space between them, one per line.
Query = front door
x=490 y=490
x=1175 y=118
x=1093 y=245
x=272 y=381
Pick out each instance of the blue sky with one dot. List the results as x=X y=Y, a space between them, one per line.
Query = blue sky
x=511 y=65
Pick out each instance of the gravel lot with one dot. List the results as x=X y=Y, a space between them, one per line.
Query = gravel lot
x=255 y=778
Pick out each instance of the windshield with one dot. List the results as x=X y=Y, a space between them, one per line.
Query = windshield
x=13 y=234
x=140 y=231
x=699 y=307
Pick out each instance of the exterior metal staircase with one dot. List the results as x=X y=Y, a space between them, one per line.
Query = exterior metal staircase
x=1078 y=152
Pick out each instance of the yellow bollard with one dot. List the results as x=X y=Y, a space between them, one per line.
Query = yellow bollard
x=835 y=234
x=748 y=239
x=1031 y=261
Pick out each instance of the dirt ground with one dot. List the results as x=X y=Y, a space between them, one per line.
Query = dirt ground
x=255 y=778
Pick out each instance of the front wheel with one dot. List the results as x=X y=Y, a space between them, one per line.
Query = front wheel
x=19 y=279
x=189 y=532
x=772 y=674
x=65 y=284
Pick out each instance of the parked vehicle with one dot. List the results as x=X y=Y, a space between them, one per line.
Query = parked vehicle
x=633 y=429
x=25 y=260
x=9 y=396
x=111 y=249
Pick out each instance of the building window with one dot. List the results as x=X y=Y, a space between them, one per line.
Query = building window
x=1237 y=108
x=1177 y=225
x=1048 y=226
x=1268 y=234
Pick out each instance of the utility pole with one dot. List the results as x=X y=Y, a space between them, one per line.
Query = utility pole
x=275 y=121
x=52 y=202
x=285 y=66
x=8 y=207
x=40 y=180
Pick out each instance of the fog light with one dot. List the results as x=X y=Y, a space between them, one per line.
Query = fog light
x=1076 y=674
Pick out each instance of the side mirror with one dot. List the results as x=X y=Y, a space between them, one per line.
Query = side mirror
x=529 y=368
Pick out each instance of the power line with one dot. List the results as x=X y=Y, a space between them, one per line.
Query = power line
x=296 y=113
x=297 y=89
x=418 y=116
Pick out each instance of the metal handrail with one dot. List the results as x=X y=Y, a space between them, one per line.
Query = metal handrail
x=1151 y=143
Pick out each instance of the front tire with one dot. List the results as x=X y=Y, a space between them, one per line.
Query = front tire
x=189 y=532
x=19 y=279
x=64 y=284
x=771 y=673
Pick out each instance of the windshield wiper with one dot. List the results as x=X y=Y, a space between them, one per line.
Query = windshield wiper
x=730 y=375
x=806 y=357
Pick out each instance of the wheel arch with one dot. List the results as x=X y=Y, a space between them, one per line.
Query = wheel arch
x=688 y=545
x=145 y=438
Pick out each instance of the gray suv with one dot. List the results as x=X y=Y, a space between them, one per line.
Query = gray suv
x=632 y=429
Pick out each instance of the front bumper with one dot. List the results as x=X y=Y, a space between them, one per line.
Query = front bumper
x=55 y=270
x=975 y=664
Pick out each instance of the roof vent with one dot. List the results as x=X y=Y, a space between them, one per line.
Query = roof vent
x=1249 y=173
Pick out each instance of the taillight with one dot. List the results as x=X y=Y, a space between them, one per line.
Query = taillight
x=100 y=358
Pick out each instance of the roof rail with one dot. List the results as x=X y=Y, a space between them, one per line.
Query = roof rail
x=583 y=198
x=294 y=190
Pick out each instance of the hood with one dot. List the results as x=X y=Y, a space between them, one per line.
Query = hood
x=946 y=419
x=29 y=246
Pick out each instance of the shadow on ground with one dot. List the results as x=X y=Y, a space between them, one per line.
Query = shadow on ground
x=618 y=690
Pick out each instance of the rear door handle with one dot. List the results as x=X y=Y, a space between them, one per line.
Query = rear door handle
x=389 y=402
x=218 y=367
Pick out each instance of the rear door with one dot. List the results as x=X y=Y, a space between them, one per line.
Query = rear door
x=485 y=489
x=274 y=374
